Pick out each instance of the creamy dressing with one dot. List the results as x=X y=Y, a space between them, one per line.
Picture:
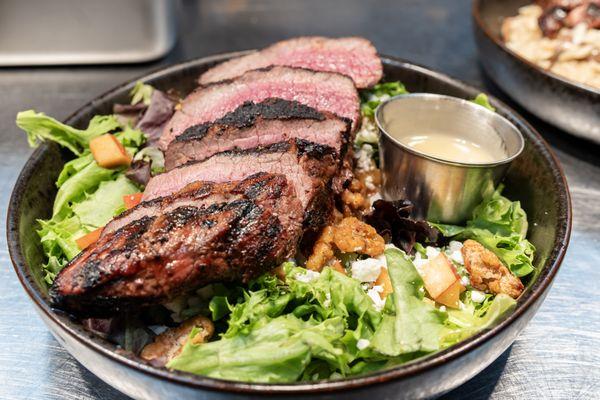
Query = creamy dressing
x=451 y=148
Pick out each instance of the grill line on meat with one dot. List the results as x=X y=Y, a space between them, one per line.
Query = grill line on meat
x=323 y=91
x=173 y=250
x=257 y=125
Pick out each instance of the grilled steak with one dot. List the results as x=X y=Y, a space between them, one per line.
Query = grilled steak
x=174 y=250
x=323 y=91
x=258 y=124
x=309 y=168
x=353 y=56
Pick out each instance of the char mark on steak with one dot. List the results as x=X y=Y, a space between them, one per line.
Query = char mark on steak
x=309 y=167
x=177 y=249
x=352 y=56
x=259 y=124
x=323 y=91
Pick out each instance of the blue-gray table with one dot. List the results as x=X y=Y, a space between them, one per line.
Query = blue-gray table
x=557 y=356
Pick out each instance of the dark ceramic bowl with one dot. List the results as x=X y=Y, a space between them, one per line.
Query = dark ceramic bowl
x=535 y=178
x=571 y=106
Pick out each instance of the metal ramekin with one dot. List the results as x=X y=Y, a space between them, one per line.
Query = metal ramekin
x=442 y=191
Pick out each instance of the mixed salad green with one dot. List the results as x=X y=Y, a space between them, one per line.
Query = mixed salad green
x=301 y=324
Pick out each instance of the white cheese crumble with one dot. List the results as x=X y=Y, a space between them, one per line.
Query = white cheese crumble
x=307 y=276
x=364 y=158
x=369 y=184
x=477 y=296
x=442 y=308
x=362 y=344
x=455 y=245
x=465 y=281
x=373 y=293
x=454 y=252
x=368 y=132
x=327 y=302
x=431 y=252
x=419 y=261
x=369 y=269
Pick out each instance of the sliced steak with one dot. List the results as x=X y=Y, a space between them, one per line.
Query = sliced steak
x=306 y=165
x=352 y=56
x=309 y=168
x=259 y=124
x=160 y=256
x=195 y=194
x=323 y=91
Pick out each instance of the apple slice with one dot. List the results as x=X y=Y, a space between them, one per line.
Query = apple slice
x=441 y=280
x=108 y=152
x=384 y=281
x=451 y=296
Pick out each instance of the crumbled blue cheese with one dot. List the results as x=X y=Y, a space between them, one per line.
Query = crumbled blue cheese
x=368 y=132
x=362 y=344
x=369 y=269
x=364 y=158
x=373 y=293
x=477 y=296
x=431 y=252
x=307 y=276
x=454 y=252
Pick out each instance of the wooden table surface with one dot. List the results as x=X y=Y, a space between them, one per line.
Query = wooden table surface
x=558 y=354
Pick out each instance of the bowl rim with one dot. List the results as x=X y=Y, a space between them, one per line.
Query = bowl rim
x=479 y=23
x=420 y=365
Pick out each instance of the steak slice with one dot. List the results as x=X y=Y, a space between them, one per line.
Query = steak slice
x=309 y=168
x=195 y=194
x=179 y=249
x=323 y=91
x=352 y=56
x=255 y=125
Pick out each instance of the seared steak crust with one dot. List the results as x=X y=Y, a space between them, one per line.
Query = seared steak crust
x=352 y=56
x=159 y=256
x=323 y=91
x=259 y=124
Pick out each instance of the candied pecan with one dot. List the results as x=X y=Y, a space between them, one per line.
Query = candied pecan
x=487 y=271
x=354 y=236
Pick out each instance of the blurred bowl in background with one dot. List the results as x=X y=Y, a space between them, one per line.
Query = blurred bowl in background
x=569 y=105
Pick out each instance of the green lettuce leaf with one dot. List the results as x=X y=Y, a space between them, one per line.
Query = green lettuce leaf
x=141 y=93
x=277 y=351
x=80 y=182
x=482 y=100
x=414 y=326
x=501 y=226
x=473 y=318
x=154 y=156
x=39 y=127
x=101 y=206
x=500 y=215
x=371 y=98
x=57 y=237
